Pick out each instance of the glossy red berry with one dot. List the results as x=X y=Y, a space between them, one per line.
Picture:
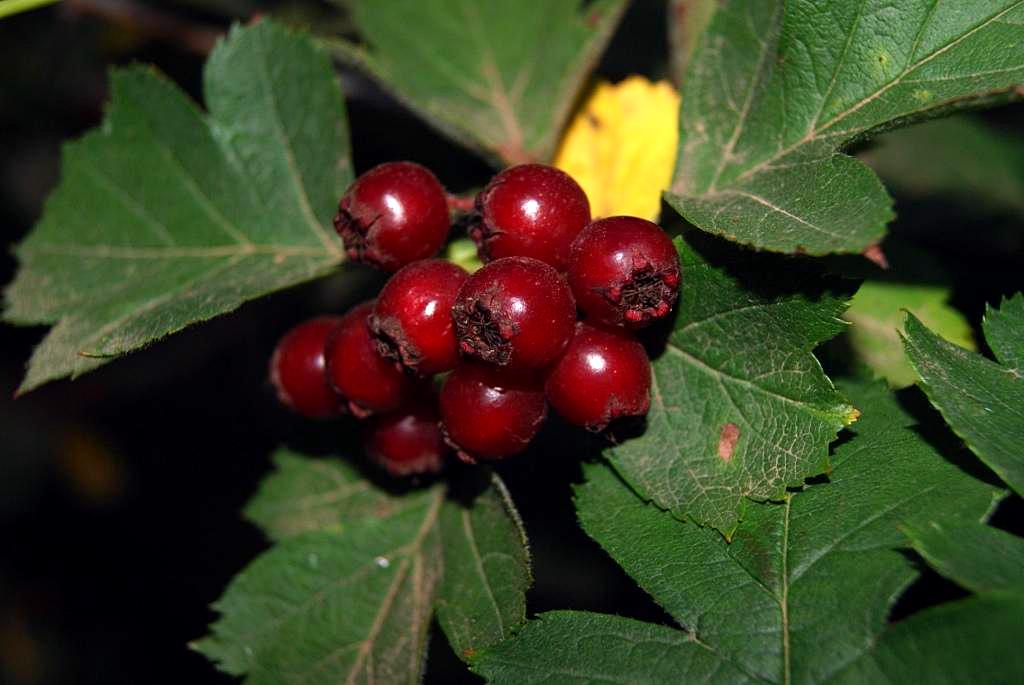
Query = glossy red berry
x=516 y=312
x=603 y=375
x=407 y=441
x=489 y=413
x=412 y=320
x=369 y=382
x=297 y=369
x=393 y=215
x=530 y=210
x=624 y=271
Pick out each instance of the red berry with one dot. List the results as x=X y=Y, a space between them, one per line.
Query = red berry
x=603 y=375
x=516 y=312
x=297 y=369
x=407 y=441
x=370 y=383
x=530 y=210
x=624 y=271
x=412 y=320
x=393 y=215
x=489 y=413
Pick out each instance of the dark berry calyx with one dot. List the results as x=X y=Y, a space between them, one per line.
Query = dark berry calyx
x=354 y=234
x=481 y=333
x=645 y=294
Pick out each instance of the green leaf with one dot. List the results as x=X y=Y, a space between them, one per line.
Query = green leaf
x=876 y=313
x=687 y=21
x=982 y=401
x=498 y=76
x=740 y=406
x=335 y=607
x=776 y=87
x=959 y=158
x=974 y=640
x=581 y=647
x=1004 y=331
x=166 y=216
x=980 y=558
x=305 y=495
x=805 y=585
x=487 y=571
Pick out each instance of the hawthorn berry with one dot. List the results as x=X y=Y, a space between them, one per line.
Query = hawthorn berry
x=516 y=312
x=603 y=375
x=297 y=369
x=412 y=320
x=624 y=271
x=367 y=381
x=489 y=413
x=407 y=441
x=530 y=210
x=392 y=215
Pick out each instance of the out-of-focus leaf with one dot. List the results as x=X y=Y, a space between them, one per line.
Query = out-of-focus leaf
x=877 y=313
x=498 y=76
x=958 y=157
x=777 y=87
x=687 y=20
x=620 y=146
x=166 y=216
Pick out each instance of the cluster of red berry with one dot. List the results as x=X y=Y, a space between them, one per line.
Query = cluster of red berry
x=508 y=334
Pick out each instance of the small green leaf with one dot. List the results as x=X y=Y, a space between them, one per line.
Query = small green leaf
x=982 y=401
x=580 y=647
x=326 y=607
x=974 y=640
x=960 y=157
x=499 y=76
x=877 y=312
x=305 y=495
x=977 y=557
x=486 y=571
x=166 y=216
x=805 y=585
x=740 y=407
x=776 y=87
x=1004 y=332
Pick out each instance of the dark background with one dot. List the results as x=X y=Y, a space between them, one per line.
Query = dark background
x=120 y=492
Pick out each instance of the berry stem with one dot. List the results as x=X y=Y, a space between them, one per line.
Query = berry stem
x=460 y=204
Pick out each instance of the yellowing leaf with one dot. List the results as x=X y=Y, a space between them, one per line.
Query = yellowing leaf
x=621 y=146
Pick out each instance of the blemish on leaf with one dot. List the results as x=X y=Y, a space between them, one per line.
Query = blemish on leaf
x=727 y=441
x=468 y=653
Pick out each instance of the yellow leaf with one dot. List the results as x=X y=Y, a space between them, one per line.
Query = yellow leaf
x=621 y=146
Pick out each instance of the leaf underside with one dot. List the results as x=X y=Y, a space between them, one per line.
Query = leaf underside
x=776 y=87
x=166 y=216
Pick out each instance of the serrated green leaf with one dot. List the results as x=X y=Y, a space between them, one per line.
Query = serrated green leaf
x=877 y=312
x=487 y=571
x=336 y=607
x=581 y=647
x=1004 y=331
x=776 y=87
x=805 y=585
x=974 y=640
x=982 y=401
x=740 y=406
x=959 y=158
x=305 y=495
x=166 y=216
x=499 y=76
x=979 y=558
